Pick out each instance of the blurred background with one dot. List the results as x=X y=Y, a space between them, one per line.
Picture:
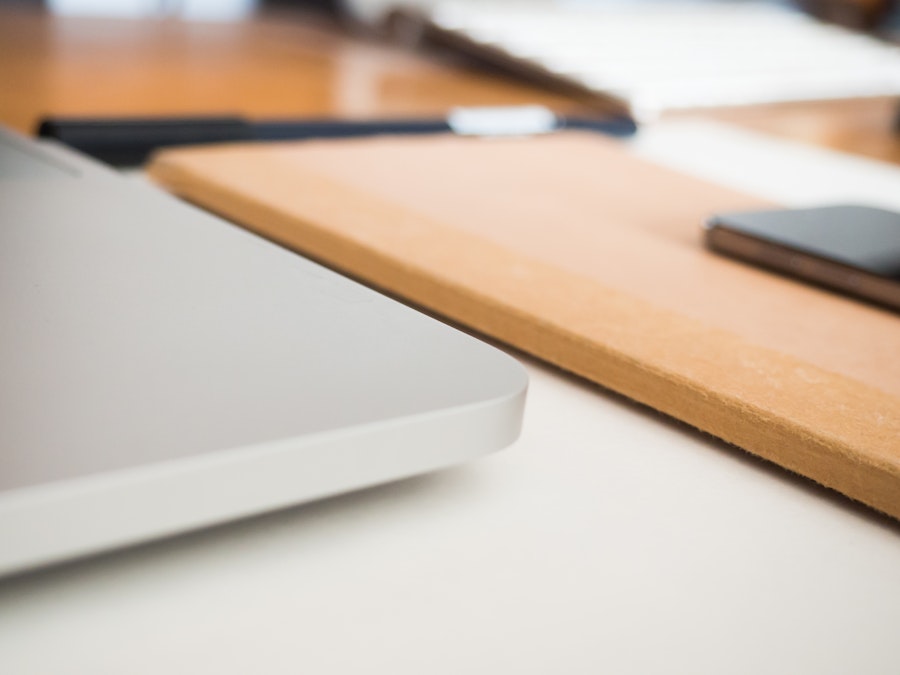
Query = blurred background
x=815 y=60
x=862 y=14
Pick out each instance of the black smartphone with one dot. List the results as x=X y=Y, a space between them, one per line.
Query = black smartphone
x=851 y=249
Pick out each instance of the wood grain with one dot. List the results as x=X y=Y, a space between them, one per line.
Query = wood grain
x=279 y=66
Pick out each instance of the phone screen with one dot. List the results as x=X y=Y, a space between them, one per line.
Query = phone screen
x=854 y=249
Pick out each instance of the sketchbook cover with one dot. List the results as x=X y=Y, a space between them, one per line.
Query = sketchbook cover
x=568 y=247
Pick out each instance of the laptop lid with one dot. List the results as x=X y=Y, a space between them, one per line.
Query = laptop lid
x=163 y=370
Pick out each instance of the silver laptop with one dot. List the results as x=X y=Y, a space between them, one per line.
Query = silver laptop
x=162 y=370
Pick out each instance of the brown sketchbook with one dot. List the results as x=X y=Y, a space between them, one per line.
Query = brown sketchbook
x=571 y=249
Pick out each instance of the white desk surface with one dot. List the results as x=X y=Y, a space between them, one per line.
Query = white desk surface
x=609 y=539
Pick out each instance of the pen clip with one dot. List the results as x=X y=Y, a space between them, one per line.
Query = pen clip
x=502 y=121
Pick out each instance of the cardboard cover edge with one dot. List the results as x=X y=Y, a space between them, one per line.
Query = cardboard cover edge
x=837 y=462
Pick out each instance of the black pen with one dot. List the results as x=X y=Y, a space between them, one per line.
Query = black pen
x=129 y=141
